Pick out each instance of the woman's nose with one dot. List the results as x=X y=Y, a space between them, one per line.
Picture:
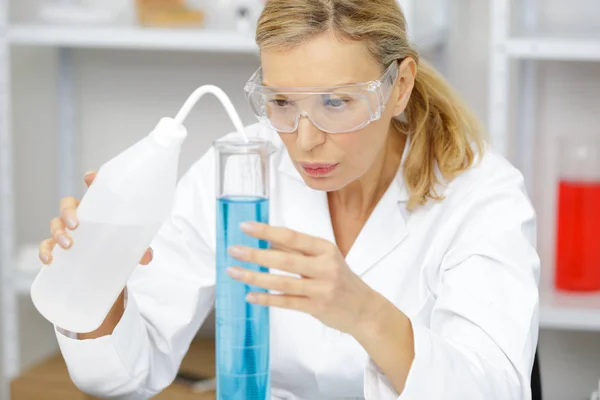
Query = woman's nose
x=309 y=136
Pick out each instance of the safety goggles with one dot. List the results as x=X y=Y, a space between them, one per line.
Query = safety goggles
x=335 y=109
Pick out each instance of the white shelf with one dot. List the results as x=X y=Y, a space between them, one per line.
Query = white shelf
x=564 y=48
x=161 y=39
x=570 y=311
x=132 y=38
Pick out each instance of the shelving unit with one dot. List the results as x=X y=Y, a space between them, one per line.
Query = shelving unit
x=19 y=266
x=558 y=311
x=580 y=312
x=7 y=219
x=528 y=49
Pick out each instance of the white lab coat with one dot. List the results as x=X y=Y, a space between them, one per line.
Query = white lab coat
x=464 y=270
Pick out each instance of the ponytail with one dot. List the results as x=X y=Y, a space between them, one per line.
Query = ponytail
x=444 y=136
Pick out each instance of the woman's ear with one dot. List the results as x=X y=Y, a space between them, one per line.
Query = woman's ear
x=407 y=73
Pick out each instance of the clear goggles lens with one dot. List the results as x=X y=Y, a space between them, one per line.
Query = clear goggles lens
x=333 y=110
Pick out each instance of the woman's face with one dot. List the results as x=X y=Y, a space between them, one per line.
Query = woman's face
x=329 y=162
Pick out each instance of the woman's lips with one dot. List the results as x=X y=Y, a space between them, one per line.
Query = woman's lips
x=318 y=169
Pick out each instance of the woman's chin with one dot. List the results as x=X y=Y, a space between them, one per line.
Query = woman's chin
x=324 y=184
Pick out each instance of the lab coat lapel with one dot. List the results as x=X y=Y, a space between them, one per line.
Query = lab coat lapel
x=384 y=230
x=386 y=227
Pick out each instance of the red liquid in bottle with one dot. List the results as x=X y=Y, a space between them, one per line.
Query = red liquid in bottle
x=578 y=239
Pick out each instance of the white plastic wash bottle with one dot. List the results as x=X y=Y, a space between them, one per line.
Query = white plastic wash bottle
x=119 y=216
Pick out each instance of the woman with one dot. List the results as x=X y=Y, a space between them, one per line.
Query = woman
x=408 y=248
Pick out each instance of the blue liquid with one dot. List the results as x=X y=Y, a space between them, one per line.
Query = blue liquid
x=242 y=328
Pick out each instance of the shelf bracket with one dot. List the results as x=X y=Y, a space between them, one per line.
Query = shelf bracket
x=67 y=146
x=10 y=340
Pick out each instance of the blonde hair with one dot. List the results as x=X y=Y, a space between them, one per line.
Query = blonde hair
x=445 y=136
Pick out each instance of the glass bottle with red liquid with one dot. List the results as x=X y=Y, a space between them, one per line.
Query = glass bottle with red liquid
x=578 y=229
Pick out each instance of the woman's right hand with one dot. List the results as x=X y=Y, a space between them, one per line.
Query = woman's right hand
x=60 y=236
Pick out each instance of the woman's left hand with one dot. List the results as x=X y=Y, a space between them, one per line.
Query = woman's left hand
x=325 y=286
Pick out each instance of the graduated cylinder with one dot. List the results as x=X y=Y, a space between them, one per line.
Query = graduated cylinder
x=242 y=328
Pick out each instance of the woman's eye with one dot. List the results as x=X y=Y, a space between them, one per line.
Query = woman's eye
x=335 y=102
x=280 y=102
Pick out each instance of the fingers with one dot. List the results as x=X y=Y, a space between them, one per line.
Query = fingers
x=294 y=263
x=148 y=256
x=59 y=234
x=68 y=214
x=46 y=248
x=68 y=205
x=284 y=284
x=297 y=303
x=89 y=177
x=288 y=238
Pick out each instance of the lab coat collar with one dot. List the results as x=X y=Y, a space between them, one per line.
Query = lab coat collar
x=384 y=230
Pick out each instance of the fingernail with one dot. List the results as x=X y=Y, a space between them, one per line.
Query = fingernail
x=64 y=241
x=45 y=258
x=71 y=222
x=234 y=272
x=236 y=251
x=88 y=173
x=247 y=227
x=251 y=298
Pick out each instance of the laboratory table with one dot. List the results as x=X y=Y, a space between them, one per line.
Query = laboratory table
x=49 y=380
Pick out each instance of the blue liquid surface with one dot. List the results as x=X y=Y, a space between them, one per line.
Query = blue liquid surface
x=242 y=328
